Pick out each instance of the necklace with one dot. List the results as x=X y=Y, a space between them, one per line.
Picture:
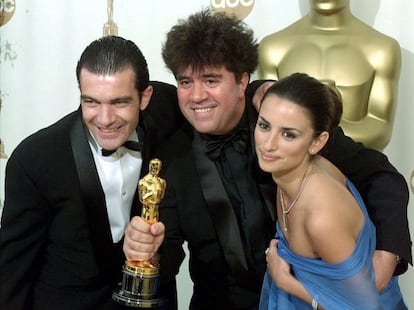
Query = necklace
x=293 y=203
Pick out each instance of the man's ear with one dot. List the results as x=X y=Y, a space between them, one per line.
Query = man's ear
x=244 y=81
x=146 y=97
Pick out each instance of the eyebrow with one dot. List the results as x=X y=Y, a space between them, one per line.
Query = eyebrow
x=123 y=98
x=211 y=74
x=264 y=120
x=203 y=75
x=84 y=97
x=114 y=100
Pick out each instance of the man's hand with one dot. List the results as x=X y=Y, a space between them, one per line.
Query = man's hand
x=142 y=239
x=384 y=265
x=259 y=93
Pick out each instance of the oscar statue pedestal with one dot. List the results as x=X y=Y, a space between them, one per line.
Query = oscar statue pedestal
x=140 y=284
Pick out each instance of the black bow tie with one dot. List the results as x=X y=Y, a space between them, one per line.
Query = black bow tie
x=238 y=140
x=132 y=145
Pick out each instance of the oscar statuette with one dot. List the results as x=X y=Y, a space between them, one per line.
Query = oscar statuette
x=110 y=28
x=140 y=279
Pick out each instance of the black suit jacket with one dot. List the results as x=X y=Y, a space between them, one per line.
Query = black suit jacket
x=196 y=209
x=56 y=245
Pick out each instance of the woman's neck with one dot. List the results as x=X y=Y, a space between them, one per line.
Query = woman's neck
x=291 y=182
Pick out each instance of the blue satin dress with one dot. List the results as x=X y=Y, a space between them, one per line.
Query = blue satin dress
x=349 y=284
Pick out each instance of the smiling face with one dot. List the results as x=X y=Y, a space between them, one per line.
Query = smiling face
x=284 y=136
x=111 y=105
x=211 y=99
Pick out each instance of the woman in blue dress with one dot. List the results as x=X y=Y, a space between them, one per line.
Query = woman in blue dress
x=322 y=255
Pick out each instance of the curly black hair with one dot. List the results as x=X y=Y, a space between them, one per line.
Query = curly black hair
x=211 y=39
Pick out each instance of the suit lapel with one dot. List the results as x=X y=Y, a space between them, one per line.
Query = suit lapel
x=267 y=189
x=94 y=199
x=147 y=133
x=220 y=209
x=148 y=138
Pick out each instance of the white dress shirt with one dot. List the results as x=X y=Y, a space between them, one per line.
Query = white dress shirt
x=119 y=174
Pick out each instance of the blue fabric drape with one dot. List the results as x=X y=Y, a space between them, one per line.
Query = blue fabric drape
x=346 y=285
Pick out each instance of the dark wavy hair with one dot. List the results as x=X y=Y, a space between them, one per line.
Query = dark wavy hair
x=211 y=39
x=112 y=54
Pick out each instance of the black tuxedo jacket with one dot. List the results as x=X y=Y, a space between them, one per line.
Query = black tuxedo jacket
x=197 y=209
x=56 y=245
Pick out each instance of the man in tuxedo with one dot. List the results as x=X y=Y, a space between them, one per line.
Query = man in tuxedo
x=71 y=188
x=217 y=198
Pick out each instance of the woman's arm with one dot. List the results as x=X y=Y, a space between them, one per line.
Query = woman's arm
x=280 y=272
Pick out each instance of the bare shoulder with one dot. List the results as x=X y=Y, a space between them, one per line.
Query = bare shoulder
x=332 y=218
x=324 y=193
x=326 y=166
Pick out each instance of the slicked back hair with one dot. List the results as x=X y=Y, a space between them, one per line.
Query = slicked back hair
x=113 y=54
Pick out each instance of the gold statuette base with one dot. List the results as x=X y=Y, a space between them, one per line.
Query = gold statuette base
x=139 y=288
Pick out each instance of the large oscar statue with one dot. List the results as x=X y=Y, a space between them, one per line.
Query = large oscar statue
x=334 y=46
x=140 y=279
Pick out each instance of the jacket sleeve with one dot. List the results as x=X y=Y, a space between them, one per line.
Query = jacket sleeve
x=171 y=251
x=163 y=114
x=383 y=189
x=254 y=86
x=24 y=227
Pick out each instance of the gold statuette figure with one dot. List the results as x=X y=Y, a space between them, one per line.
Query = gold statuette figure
x=151 y=192
x=331 y=44
x=140 y=279
x=110 y=28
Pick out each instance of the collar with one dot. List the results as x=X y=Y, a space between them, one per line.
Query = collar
x=242 y=125
x=121 y=150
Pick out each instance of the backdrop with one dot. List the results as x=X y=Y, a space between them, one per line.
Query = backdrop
x=41 y=40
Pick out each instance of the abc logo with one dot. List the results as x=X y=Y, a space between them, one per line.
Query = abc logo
x=7 y=8
x=240 y=8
